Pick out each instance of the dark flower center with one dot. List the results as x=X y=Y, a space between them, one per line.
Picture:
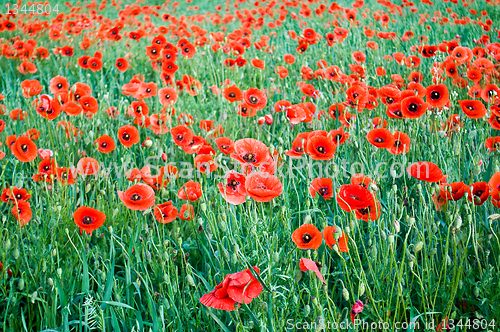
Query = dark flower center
x=104 y=144
x=390 y=100
x=379 y=140
x=398 y=143
x=179 y=137
x=19 y=196
x=232 y=94
x=299 y=149
x=126 y=136
x=233 y=184
x=249 y=157
x=135 y=197
x=59 y=85
x=321 y=149
x=46 y=168
x=306 y=238
x=413 y=107
x=254 y=100
x=323 y=191
x=24 y=147
x=435 y=95
x=87 y=220
x=64 y=175
x=148 y=90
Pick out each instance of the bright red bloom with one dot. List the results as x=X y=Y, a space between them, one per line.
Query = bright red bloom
x=138 y=197
x=323 y=186
x=88 y=219
x=165 y=213
x=190 y=190
x=263 y=188
x=307 y=236
x=426 y=171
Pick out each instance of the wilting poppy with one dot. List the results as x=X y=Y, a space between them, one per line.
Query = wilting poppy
x=307 y=236
x=353 y=197
x=323 y=186
x=381 y=138
x=190 y=190
x=186 y=212
x=24 y=149
x=437 y=95
x=88 y=219
x=263 y=188
x=138 y=197
x=329 y=235
x=105 y=144
x=309 y=265
x=425 y=171
x=165 y=213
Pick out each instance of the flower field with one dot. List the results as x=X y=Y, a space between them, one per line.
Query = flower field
x=250 y=166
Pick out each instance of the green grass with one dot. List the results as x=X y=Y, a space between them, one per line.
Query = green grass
x=136 y=274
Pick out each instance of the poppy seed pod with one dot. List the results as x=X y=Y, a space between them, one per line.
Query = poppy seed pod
x=345 y=294
x=361 y=289
x=418 y=247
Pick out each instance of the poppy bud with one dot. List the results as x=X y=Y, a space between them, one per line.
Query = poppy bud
x=345 y=294
x=347 y=229
x=383 y=236
x=276 y=257
x=361 y=289
x=390 y=239
x=261 y=121
x=307 y=219
x=394 y=188
x=164 y=157
x=250 y=324
x=448 y=260
x=494 y=217
x=458 y=221
x=476 y=291
x=418 y=247
x=298 y=275
x=20 y=284
x=15 y=254
x=59 y=272
x=34 y=296
x=335 y=248
x=222 y=226
x=50 y=282
x=190 y=280
x=411 y=221
x=477 y=170
x=433 y=252
x=373 y=252
x=44 y=266
x=6 y=245
x=148 y=143
x=307 y=310
x=496 y=169
x=54 y=252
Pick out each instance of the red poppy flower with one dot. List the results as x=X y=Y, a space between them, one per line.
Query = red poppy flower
x=474 y=109
x=87 y=166
x=381 y=138
x=309 y=265
x=128 y=135
x=494 y=182
x=165 y=213
x=138 y=197
x=190 y=190
x=186 y=212
x=168 y=96
x=22 y=212
x=453 y=191
x=31 y=88
x=369 y=213
x=413 y=107
x=256 y=98
x=88 y=219
x=225 y=145
x=250 y=151
x=58 y=83
x=243 y=287
x=437 y=95
x=233 y=93
x=389 y=94
x=401 y=144
x=263 y=187
x=24 y=149
x=493 y=143
x=105 y=144
x=320 y=147
x=95 y=64
x=490 y=93
x=14 y=194
x=233 y=189
x=426 y=171
x=121 y=64
x=66 y=175
x=205 y=163
x=353 y=197
x=84 y=61
x=323 y=186
x=329 y=235
x=182 y=135
x=307 y=236
x=478 y=192
x=218 y=298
